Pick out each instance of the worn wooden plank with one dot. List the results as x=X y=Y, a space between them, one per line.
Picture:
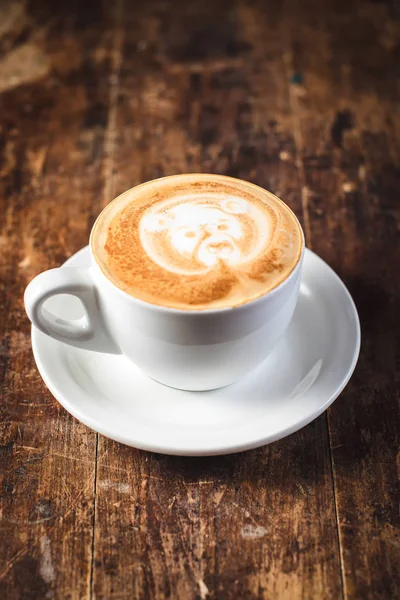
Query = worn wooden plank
x=241 y=526
x=54 y=73
x=301 y=101
x=348 y=124
x=204 y=88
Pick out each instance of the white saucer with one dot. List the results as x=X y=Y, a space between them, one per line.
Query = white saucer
x=303 y=376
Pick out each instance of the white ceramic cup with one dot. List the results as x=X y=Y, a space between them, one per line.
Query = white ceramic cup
x=185 y=349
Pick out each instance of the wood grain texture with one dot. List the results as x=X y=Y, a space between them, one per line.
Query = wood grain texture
x=299 y=97
x=53 y=134
x=348 y=125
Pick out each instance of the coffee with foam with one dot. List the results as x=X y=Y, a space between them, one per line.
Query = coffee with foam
x=197 y=242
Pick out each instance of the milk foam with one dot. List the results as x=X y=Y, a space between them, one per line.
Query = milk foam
x=197 y=241
x=191 y=234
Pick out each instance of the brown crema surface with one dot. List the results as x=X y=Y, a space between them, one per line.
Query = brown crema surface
x=154 y=242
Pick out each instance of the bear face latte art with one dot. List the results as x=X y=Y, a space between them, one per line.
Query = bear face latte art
x=197 y=242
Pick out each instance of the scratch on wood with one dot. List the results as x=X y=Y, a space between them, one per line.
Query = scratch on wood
x=302 y=490
x=218 y=496
x=209 y=67
x=122 y=488
x=253 y=532
x=46 y=563
x=27 y=448
x=9 y=565
x=23 y=65
x=8 y=433
x=25 y=262
x=68 y=457
x=204 y=591
x=36 y=160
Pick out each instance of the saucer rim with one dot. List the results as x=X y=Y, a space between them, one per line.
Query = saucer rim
x=92 y=423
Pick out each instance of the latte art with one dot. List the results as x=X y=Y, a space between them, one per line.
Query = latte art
x=191 y=235
x=197 y=242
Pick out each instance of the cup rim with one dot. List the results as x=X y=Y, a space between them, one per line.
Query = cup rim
x=197 y=311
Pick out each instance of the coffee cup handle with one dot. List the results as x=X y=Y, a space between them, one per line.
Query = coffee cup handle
x=88 y=332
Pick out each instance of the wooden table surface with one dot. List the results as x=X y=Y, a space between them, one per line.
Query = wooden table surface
x=299 y=97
